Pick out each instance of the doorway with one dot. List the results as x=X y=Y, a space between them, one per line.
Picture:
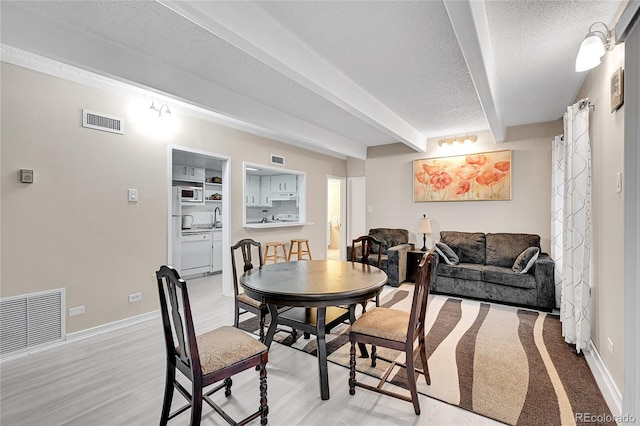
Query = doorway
x=211 y=209
x=336 y=213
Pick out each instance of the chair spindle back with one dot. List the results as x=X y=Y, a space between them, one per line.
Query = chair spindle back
x=177 y=319
x=246 y=245
x=420 y=296
x=367 y=241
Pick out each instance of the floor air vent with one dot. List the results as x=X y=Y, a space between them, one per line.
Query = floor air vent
x=31 y=320
x=98 y=121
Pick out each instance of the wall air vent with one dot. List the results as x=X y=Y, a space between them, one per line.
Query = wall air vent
x=98 y=121
x=31 y=320
x=277 y=159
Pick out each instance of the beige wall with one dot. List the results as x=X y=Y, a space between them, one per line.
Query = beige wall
x=74 y=227
x=607 y=145
x=389 y=172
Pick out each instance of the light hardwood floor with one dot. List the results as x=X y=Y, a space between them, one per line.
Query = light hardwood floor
x=117 y=378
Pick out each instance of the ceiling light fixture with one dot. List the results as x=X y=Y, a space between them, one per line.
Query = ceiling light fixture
x=164 y=108
x=593 y=47
x=451 y=141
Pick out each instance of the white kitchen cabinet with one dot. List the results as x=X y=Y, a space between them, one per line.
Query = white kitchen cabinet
x=252 y=196
x=188 y=173
x=265 y=191
x=216 y=252
x=283 y=183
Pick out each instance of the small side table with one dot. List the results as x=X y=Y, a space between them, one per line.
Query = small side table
x=413 y=261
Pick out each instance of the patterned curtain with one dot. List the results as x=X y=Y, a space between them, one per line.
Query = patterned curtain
x=571 y=224
x=557 y=210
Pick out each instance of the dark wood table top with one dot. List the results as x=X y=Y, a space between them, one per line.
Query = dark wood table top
x=313 y=282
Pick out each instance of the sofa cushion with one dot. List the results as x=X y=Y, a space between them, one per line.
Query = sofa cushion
x=503 y=249
x=505 y=276
x=464 y=271
x=388 y=237
x=449 y=256
x=525 y=260
x=469 y=246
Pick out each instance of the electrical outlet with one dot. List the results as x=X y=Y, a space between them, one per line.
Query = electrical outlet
x=610 y=346
x=136 y=297
x=78 y=310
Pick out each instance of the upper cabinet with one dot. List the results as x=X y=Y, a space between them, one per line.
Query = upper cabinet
x=265 y=191
x=188 y=173
x=284 y=183
x=252 y=191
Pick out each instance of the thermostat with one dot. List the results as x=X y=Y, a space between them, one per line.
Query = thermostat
x=26 y=176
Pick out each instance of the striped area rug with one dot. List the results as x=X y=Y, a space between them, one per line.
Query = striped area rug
x=502 y=362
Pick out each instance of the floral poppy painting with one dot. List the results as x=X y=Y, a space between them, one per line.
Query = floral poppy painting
x=473 y=177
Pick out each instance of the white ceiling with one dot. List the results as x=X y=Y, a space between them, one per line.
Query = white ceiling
x=332 y=76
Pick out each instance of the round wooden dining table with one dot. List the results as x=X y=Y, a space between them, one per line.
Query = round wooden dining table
x=315 y=289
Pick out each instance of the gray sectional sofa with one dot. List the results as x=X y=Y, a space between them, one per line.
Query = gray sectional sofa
x=485 y=270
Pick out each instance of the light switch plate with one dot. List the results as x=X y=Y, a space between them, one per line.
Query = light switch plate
x=26 y=176
x=133 y=195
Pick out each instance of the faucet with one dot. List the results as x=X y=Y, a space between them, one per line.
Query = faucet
x=215 y=218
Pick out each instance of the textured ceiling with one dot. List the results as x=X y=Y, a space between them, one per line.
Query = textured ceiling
x=335 y=76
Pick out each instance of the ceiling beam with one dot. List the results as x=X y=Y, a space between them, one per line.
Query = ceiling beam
x=470 y=24
x=251 y=29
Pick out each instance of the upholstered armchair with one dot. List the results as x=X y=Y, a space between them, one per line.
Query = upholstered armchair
x=395 y=245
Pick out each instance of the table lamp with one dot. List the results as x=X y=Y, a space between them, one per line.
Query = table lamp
x=425 y=228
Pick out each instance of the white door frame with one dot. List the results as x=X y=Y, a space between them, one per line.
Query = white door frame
x=356 y=207
x=227 y=285
x=630 y=30
x=343 y=216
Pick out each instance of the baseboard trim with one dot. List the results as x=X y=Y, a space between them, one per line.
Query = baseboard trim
x=605 y=382
x=83 y=334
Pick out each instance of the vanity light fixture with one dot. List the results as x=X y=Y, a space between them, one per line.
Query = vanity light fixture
x=451 y=141
x=164 y=108
x=593 y=47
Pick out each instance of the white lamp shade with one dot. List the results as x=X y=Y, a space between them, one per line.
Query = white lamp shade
x=425 y=226
x=591 y=50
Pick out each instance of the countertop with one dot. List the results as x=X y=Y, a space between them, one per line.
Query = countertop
x=201 y=229
x=275 y=224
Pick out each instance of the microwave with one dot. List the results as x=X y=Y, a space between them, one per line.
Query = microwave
x=191 y=194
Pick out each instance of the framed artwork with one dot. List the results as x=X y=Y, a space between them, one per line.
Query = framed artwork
x=473 y=177
x=617 y=89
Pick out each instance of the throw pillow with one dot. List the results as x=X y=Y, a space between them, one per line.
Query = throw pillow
x=447 y=254
x=525 y=260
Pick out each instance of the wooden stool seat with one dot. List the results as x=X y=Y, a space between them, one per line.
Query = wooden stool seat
x=301 y=249
x=275 y=255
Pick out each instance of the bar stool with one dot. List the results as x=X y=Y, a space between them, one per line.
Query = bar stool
x=300 y=250
x=275 y=255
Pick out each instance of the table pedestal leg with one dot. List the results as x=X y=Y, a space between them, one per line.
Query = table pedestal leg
x=273 y=310
x=322 y=353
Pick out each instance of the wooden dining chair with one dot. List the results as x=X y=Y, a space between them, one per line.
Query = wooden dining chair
x=205 y=359
x=396 y=329
x=243 y=303
x=367 y=243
